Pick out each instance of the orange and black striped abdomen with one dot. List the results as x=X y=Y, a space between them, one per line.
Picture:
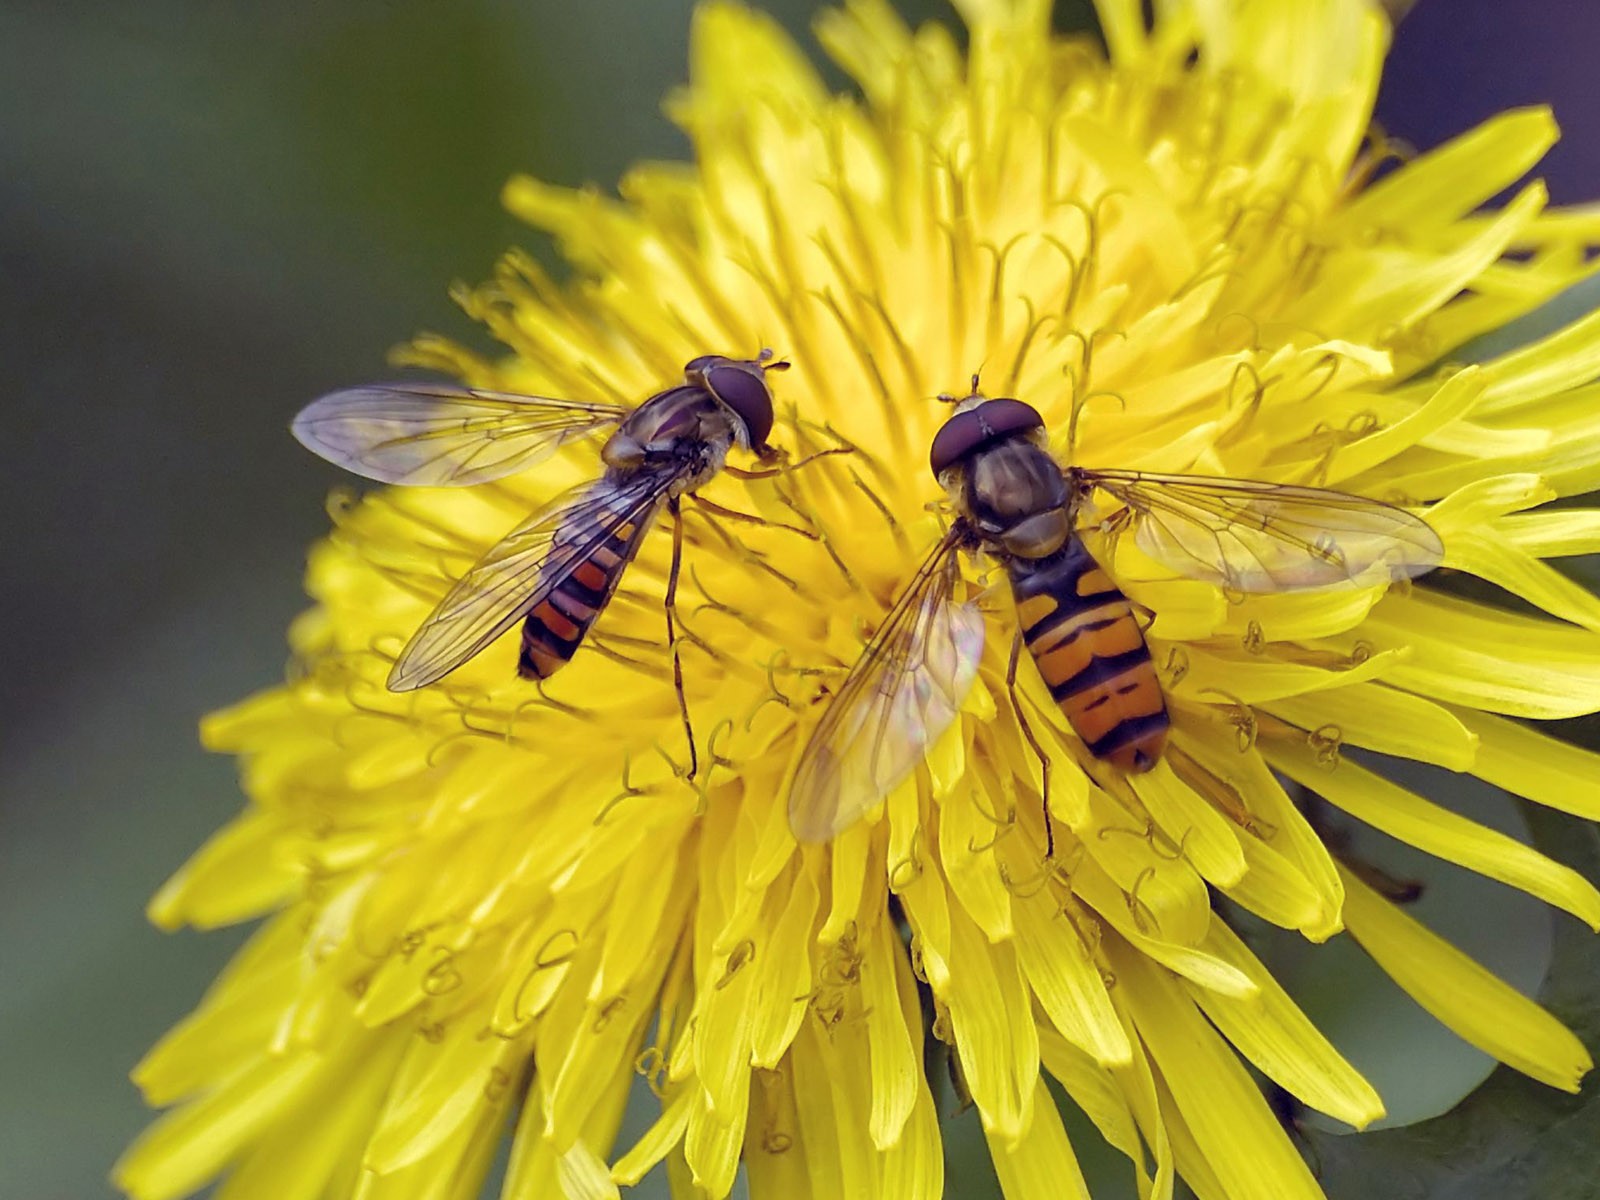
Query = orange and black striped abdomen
x=555 y=627
x=1091 y=652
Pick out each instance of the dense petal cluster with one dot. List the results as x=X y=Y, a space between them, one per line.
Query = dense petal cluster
x=493 y=906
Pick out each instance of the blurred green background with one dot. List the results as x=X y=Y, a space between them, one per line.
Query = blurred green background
x=210 y=213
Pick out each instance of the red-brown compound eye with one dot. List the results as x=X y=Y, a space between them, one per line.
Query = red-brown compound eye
x=970 y=431
x=742 y=386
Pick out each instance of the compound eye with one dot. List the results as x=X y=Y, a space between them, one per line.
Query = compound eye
x=696 y=365
x=957 y=438
x=745 y=391
x=970 y=431
x=1004 y=416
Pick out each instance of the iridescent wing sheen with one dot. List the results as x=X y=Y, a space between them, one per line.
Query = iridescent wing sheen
x=902 y=693
x=436 y=435
x=520 y=571
x=1257 y=537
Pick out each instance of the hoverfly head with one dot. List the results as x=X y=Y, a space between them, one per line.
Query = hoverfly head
x=976 y=423
x=741 y=385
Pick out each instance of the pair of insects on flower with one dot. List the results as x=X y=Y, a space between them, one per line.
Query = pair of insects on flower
x=1012 y=501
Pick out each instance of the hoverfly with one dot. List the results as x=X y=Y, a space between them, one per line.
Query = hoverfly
x=557 y=570
x=1016 y=504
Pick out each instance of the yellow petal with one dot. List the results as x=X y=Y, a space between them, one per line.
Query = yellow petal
x=1232 y=1125
x=776 y=1157
x=1205 y=969
x=783 y=975
x=967 y=833
x=914 y=1166
x=1528 y=763
x=639 y=912
x=1384 y=719
x=833 y=1103
x=247 y=869
x=927 y=906
x=189 y=1146
x=1483 y=1010
x=1399 y=286
x=992 y=1016
x=1066 y=979
x=1490 y=558
x=1169 y=896
x=1277 y=1037
x=849 y=880
x=714 y=1138
x=1448 y=403
x=1187 y=1154
x=1452 y=180
x=1552 y=533
x=1271 y=816
x=1214 y=670
x=1152 y=1109
x=1438 y=831
x=653 y=1145
x=1106 y=152
x=583 y=1175
x=1096 y=1091
x=1206 y=837
x=440 y=1088
x=1275 y=889
x=235 y=1020
x=1465 y=654
x=1565 y=359
x=316 y=1145
x=1040 y=1162
x=1124 y=26
x=894 y=1054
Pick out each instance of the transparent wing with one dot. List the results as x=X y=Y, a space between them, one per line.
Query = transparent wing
x=1266 y=537
x=435 y=435
x=520 y=571
x=902 y=693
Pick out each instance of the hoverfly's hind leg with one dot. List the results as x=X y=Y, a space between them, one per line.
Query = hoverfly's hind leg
x=1038 y=750
x=672 y=631
x=785 y=468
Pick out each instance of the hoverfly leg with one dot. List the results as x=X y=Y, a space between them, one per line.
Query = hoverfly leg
x=733 y=514
x=1143 y=615
x=1038 y=750
x=674 y=508
x=785 y=468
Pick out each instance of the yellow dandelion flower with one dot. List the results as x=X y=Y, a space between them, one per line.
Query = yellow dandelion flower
x=490 y=907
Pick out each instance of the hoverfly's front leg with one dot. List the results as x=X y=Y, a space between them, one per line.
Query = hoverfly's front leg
x=672 y=631
x=785 y=468
x=733 y=514
x=1038 y=750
